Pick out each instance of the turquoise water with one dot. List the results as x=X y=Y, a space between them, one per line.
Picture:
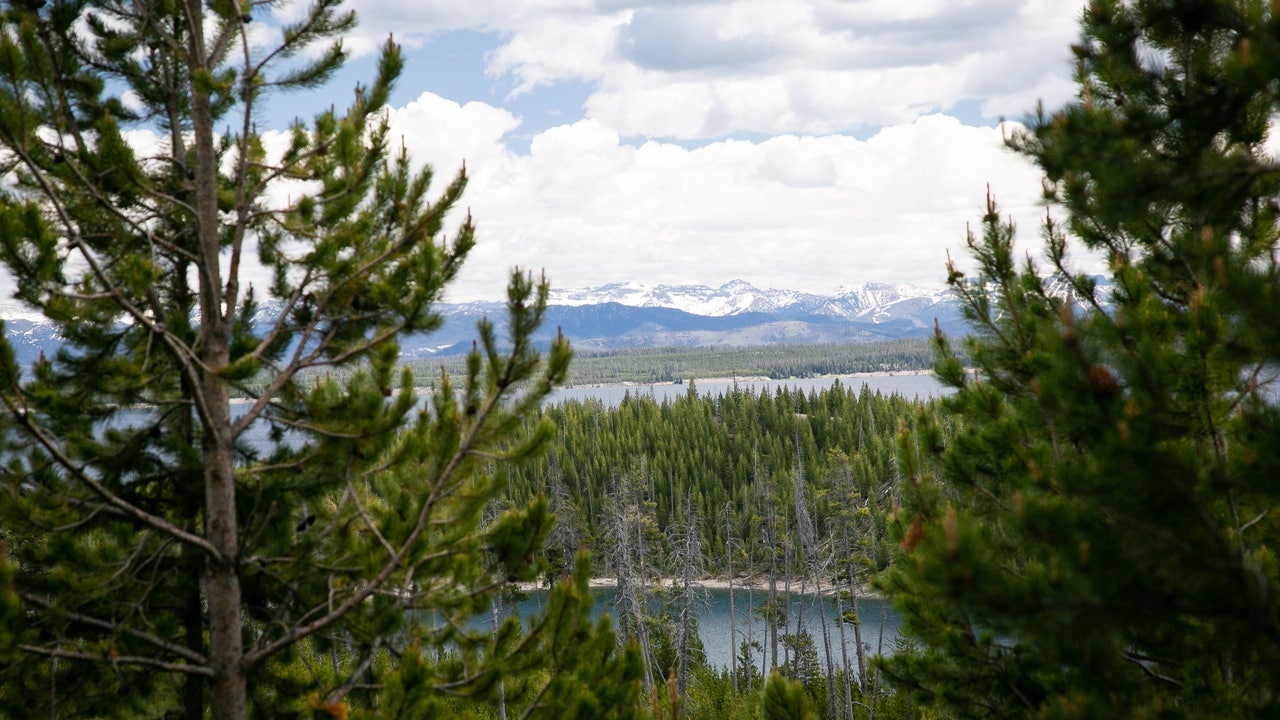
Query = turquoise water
x=714 y=623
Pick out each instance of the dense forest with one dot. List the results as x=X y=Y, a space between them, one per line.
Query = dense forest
x=1085 y=528
x=723 y=462
x=783 y=491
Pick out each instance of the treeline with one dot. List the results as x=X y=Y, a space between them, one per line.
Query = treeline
x=772 y=361
x=654 y=365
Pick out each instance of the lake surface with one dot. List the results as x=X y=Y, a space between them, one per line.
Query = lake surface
x=714 y=623
x=911 y=386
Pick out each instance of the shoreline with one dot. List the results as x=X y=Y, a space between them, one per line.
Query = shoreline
x=749 y=379
x=754 y=584
x=712 y=381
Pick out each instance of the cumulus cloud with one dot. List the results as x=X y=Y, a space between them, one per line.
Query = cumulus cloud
x=442 y=133
x=710 y=69
x=788 y=211
x=792 y=143
x=673 y=39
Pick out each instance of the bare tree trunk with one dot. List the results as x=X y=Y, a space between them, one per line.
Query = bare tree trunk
x=689 y=557
x=846 y=680
x=646 y=650
x=826 y=641
x=628 y=538
x=804 y=586
x=686 y=629
x=875 y=689
x=733 y=624
x=772 y=540
x=786 y=592
x=857 y=635
x=751 y=604
x=502 y=688
x=642 y=621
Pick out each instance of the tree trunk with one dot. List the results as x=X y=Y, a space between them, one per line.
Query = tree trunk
x=786 y=592
x=857 y=616
x=193 y=628
x=229 y=697
x=875 y=690
x=773 y=598
x=826 y=642
x=733 y=623
x=846 y=681
x=497 y=619
x=857 y=634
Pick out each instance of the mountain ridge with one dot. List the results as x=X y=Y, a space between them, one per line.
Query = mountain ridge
x=738 y=296
x=635 y=315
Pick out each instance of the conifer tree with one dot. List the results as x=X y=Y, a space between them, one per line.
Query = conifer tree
x=164 y=562
x=1099 y=538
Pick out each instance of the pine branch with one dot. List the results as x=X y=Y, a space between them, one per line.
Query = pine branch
x=140 y=661
x=159 y=524
x=191 y=656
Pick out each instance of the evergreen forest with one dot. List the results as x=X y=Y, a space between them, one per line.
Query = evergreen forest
x=205 y=515
x=783 y=491
x=735 y=466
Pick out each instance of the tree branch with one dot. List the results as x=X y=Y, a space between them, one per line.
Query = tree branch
x=141 y=661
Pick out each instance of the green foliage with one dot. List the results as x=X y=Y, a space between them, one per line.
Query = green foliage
x=712 y=698
x=1097 y=539
x=166 y=560
x=785 y=700
x=698 y=454
x=575 y=669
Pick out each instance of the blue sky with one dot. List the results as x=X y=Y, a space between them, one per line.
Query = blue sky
x=795 y=144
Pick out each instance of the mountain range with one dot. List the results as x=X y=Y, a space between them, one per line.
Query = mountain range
x=632 y=315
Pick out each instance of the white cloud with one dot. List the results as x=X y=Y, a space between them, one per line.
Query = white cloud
x=706 y=70
x=559 y=47
x=788 y=212
x=443 y=134
x=801 y=203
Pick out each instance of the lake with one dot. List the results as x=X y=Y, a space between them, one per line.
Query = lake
x=912 y=386
x=714 y=623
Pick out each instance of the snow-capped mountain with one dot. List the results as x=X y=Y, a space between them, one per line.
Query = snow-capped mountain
x=635 y=315
x=735 y=314
x=738 y=296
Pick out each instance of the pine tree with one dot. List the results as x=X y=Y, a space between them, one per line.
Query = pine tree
x=1098 y=538
x=785 y=700
x=165 y=562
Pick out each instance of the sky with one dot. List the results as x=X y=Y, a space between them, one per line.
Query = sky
x=795 y=144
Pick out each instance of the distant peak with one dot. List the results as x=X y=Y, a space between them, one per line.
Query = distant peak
x=739 y=296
